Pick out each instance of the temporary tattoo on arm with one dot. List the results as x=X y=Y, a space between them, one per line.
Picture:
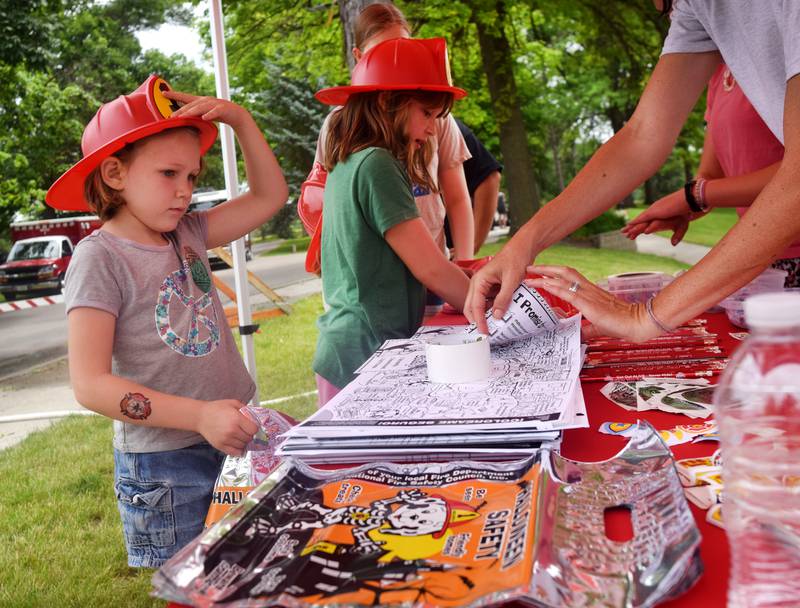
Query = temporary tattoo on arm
x=135 y=405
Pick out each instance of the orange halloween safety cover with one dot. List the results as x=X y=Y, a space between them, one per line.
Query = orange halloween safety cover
x=446 y=534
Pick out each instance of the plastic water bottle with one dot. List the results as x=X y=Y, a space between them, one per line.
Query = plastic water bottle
x=757 y=407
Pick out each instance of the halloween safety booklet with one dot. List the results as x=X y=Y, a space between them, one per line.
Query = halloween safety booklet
x=457 y=534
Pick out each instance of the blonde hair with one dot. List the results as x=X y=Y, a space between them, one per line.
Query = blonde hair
x=379 y=119
x=105 y=200
x=374 y=19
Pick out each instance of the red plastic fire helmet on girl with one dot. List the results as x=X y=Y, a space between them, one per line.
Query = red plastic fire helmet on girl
x=116 y=124
x=400 y=64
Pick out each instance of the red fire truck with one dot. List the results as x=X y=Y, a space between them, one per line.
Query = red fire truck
x=41 y=253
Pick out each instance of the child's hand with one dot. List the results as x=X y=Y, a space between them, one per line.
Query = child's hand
x=225 y=427
x=208 y=108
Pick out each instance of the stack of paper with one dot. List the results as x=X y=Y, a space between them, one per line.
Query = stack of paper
x=391 y=411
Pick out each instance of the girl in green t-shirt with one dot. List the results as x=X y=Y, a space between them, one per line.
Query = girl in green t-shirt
x=377 y=255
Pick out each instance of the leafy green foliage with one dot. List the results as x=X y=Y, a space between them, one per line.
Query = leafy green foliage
x=579 y=65
x=605 y=222
x=290 y=117
x=80 y=54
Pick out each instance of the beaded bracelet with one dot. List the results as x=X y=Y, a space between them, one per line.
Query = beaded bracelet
x=700 y=193
x=649 y=307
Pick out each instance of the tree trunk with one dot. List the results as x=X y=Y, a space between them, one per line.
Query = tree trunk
x=618 y=118
x=523 y=194
x=348 y=13
x=554 y=139
x=650 y=191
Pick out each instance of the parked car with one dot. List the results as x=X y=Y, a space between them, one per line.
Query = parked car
x=207 y=200
x=40 y=255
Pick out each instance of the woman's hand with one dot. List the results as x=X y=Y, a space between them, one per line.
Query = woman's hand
x=668 y=213
x=609 y=315
x=208 y=108
x=495 y=283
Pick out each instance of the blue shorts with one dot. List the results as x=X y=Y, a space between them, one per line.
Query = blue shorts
x=163 y=498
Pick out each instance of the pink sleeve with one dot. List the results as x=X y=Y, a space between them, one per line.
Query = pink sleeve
x=452 y=147
x=714 y=84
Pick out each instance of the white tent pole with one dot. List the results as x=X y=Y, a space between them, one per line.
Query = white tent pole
x=232 y=186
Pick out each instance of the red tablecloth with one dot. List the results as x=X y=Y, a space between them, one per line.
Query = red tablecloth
x=589 y=445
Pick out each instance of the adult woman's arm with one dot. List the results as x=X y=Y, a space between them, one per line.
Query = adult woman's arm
x=672 y=212
x=770 y=225
x=619 y=166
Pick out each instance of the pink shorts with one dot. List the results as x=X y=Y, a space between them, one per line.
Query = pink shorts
x=326 y=391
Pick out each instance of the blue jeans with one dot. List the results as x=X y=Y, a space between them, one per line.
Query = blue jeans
x=163 y=498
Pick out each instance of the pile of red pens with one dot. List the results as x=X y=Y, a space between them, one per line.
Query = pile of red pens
x=691 y=351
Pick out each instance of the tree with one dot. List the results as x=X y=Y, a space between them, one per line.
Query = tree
x=498 y=62
x=290 y=117
x=82 y=53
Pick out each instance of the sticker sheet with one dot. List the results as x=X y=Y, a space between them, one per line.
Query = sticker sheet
x=683 y=433
x=692 y=398
x=240 y=474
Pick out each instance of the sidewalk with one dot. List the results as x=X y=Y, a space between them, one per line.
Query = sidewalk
x=43 y=389
x=687 y=253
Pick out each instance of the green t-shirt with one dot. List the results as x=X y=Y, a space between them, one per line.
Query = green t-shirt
x=371 y=294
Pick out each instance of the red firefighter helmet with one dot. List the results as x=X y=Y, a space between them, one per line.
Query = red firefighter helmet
x=400 y=64
x=117 y=123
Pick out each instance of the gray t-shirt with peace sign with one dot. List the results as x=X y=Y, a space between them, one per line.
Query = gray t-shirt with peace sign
x=171 y=333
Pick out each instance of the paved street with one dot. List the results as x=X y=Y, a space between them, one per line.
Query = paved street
x=31 y=337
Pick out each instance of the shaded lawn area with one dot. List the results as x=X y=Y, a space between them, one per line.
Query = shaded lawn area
x=708 y=230
x=60 y=530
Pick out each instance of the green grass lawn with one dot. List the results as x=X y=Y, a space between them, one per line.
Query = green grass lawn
x=284 y=350
x=708 y=230
x=61 y=536
x=290 y=246
x=596 y=264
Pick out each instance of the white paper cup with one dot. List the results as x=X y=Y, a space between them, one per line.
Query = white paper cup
x=455 y=359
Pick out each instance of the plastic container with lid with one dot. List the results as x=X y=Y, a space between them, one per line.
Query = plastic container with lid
x=769 y=281
x=635 y=287
x=757 y=408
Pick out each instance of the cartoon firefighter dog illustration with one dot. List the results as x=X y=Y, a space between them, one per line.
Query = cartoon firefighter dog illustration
x=410 y=513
